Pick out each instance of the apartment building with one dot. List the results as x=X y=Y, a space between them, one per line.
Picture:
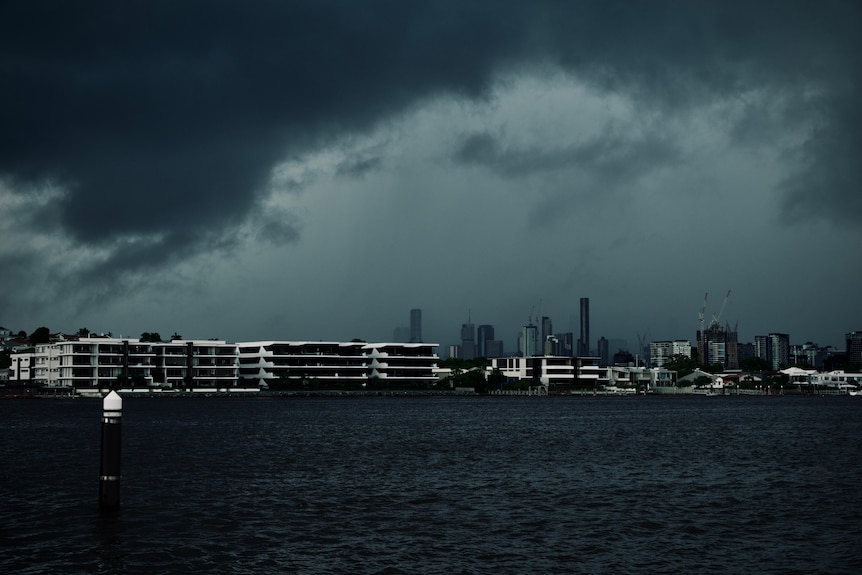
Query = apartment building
x=101 y=362
x=265 y=362
x=661 y=352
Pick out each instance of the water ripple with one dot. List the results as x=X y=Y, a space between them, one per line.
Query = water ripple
x=439 y=485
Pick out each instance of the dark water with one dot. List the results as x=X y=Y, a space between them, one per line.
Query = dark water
x=438 y=485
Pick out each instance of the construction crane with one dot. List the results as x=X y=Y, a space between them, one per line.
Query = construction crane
x=716 y=318
x=702 y=312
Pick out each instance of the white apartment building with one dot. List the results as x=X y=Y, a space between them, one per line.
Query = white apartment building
x=21 y=368
x=542 y=369
x=99 y=362
x=562 y=372
x=46 y=371
x=661 y=352
x=265 y=362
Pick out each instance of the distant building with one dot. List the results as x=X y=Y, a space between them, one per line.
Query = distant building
x=623 y=358
x=603 y=350
x=805 y=354
x=854 y=347
x=529 y=340
x=494 y=348
x=717 y=345
x=547 y=329
x=468 y=340
x=416 y=325
x=584 y=340
x=774 y=348
x=551 y=346
x=566 y=342
x=485 y=334
x=745 y=351
x=661 y=352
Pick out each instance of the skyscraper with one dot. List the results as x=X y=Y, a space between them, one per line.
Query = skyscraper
x=774 y=348
x=584 y=350
x=778 y=350
x=547 y=329
x=716 y=345
x=416 y=325
x=494 y=347
x=603 y=351
x=468 y=340
x=529 y=343
x=566 y=343
x=854 y=347
x=486 y=334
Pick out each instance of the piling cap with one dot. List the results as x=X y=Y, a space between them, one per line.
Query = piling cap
x=112 y=402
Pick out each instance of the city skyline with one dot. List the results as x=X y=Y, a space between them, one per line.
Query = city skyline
x=511 y=345
x=313 y=171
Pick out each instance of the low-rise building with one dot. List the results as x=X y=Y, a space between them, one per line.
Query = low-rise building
x=102 y=362
x=356 y=362
x=562 y=373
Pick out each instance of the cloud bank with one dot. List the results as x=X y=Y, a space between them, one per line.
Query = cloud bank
x=138 y=136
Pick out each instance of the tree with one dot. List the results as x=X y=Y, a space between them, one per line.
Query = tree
x=713 y=368
x=755 y=364
x=681 y=364
x=41 y=335
x=496 y=378
x=153 y=337
x=83 y=332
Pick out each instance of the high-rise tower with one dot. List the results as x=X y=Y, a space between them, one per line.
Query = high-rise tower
x=547 y=331
x=416 y=325
x=468 y=340
x=529 y=343
x=854 y=346
x=584 y=350
x=486 y=334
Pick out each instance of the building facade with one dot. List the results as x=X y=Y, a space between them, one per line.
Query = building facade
x=584 y=340
x=661 y=352
x=717 y=345
x=774 y=348
x=468 y=340
x=529 y=340
x=266 y=362
x=485 y=335
x=561 y=373
x=854 y=347
x=103 y=362
x=416 y=325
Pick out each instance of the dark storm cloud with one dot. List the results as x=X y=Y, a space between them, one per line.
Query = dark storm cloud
x=612 y=155
x=359 y=166
x=277 y=226
x=829 y=182
x=163 y=120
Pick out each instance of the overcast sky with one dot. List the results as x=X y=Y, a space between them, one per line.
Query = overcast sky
x=313 y=170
